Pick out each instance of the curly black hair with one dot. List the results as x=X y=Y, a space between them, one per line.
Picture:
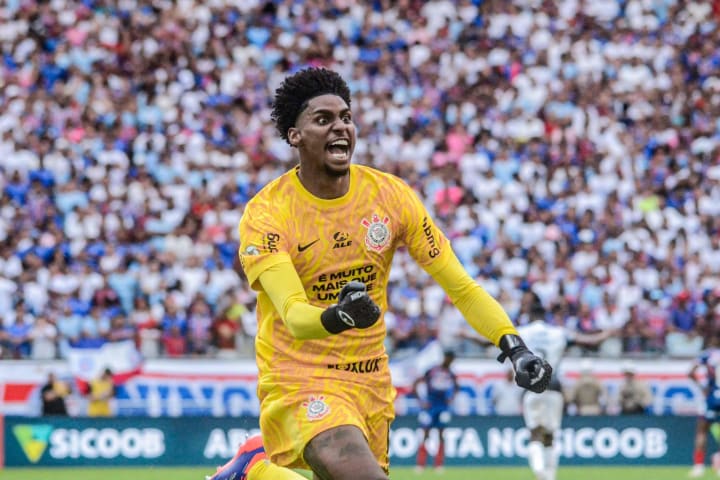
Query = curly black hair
x=293 y=95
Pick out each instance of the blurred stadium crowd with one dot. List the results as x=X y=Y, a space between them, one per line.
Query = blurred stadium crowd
x=566 y=147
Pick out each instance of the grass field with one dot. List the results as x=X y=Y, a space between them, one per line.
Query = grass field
x=568 y=473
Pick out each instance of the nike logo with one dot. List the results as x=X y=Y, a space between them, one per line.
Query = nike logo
x=302 y=248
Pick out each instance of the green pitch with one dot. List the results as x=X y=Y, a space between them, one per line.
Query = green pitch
x=568 y=473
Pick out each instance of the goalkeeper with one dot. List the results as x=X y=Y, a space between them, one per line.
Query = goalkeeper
x=317 y=244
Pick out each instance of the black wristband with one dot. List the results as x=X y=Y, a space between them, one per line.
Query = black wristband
x=331 y=321
x=510 y=344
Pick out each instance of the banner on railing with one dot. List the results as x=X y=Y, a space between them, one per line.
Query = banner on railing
x=215 y=387
x=471 y=440
x=121 y=358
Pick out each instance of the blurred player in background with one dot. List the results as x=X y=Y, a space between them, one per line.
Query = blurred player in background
x=543 y=412
x=708 y=361
x=440 y=388
x=317 y=244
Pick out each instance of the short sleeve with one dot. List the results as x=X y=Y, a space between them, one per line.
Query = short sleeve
x=263 y=240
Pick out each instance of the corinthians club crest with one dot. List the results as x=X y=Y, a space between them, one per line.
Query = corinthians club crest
x=378 y=234
x=316 y=407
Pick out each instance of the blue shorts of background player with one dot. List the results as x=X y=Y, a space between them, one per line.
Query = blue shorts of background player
x=436 y=416
x=712 y=410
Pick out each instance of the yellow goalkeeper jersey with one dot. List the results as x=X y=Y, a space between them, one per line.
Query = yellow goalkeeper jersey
x=331 y=242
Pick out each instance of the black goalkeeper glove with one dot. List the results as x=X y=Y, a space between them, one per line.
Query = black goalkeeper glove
x=355 y=309
x=531 y=372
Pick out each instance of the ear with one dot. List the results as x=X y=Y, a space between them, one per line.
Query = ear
x=294 y=137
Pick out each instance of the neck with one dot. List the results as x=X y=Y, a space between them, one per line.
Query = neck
x=323 y=185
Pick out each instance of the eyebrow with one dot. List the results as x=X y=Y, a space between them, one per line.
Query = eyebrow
x=327 y=111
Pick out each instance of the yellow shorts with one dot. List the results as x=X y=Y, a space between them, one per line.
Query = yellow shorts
x=292 y=413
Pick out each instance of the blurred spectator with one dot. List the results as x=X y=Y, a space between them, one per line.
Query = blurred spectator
x=125 y=285
x=20 y=311
x=224 y=330
x=149 y=336
x=147 y=327
x=101 y=392
x=654 y=313
x=506 y=396
x=69 y=325
x=683 y=338
x=455 y=333
x=683 y=317
x=94 y=329
x=400 y=331
x=634 y=395
x=43 y=335
x=199 y=323
x=120 y=329
x=53 y=395
x=635 y=334
x=174 y=318
x=587 y=395
x=571 y=150
x=17 y=338
x=174 y=342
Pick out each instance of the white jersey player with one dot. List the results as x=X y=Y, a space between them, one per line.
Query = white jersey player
x=543 y=412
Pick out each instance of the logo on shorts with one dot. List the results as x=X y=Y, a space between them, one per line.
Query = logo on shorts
x=377 y=238
x=316 y=407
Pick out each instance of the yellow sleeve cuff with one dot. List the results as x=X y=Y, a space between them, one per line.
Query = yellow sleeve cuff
x=282 y=285
x=262 y=265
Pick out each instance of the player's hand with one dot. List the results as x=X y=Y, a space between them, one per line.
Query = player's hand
x=531 y=372
x=355 y=309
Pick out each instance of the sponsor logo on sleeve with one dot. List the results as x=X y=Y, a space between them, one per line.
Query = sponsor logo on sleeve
x=271 y=242
x=433 y=250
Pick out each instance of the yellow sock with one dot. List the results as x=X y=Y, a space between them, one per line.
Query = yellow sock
x=269 y=471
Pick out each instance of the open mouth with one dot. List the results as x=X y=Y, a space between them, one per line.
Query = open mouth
x=339 y=149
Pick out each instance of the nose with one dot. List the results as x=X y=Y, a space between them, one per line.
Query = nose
x=340 y=126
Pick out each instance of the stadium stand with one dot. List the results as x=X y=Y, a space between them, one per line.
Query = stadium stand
x=569 y=148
